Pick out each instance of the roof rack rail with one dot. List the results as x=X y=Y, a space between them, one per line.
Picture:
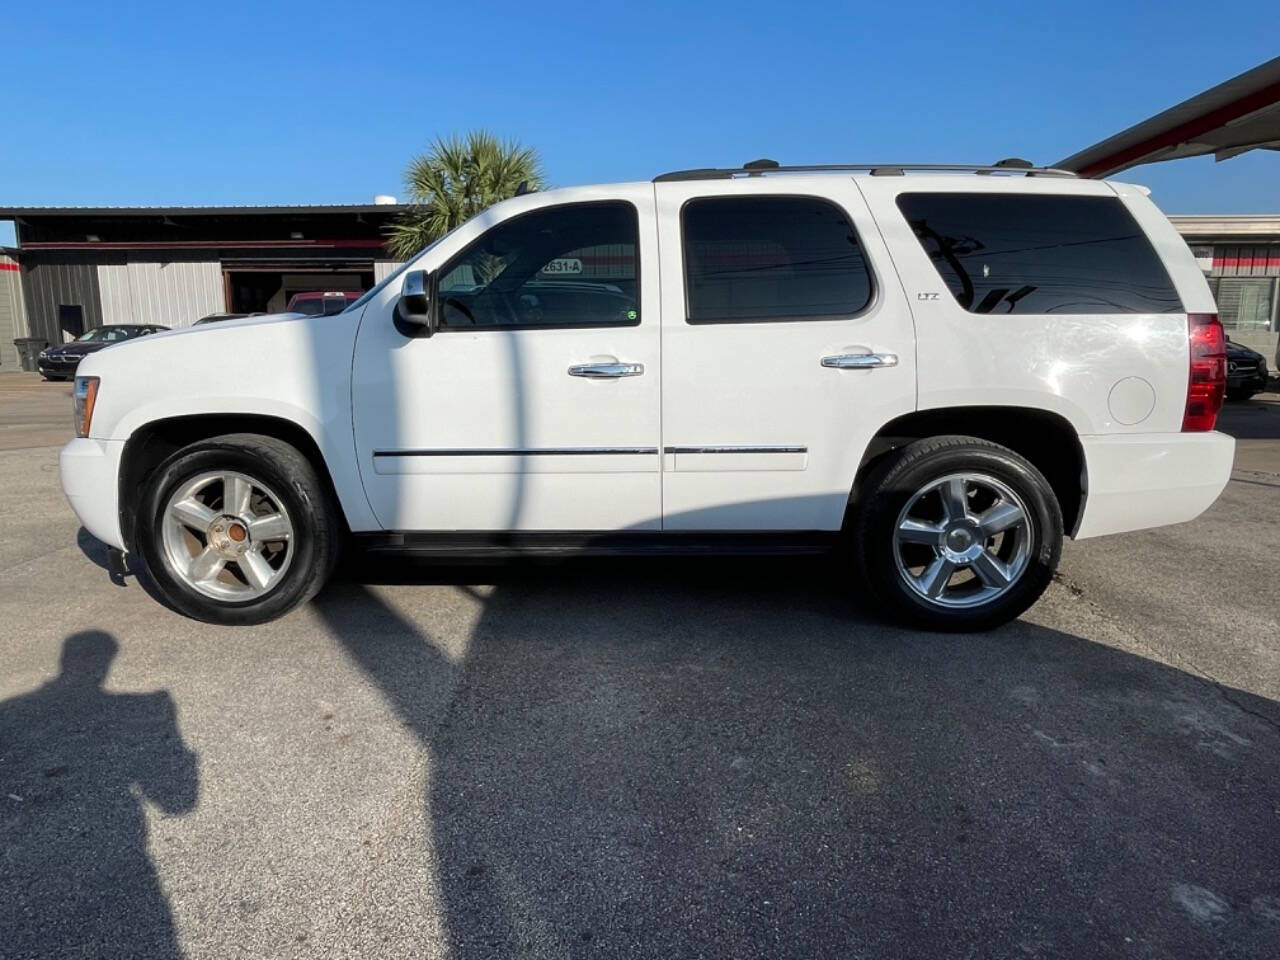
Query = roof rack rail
x=757 y=168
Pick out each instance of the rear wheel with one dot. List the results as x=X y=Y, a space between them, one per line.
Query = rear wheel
x=237 y=529
x=956 y=533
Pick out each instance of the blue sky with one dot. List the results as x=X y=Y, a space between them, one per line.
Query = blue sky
x=173 y=103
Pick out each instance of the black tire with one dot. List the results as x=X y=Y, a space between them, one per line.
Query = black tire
x=892 y=482
x=317 y=529
x=1240 y=393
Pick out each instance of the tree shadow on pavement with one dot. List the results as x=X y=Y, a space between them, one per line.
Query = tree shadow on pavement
x=670 y=758
x=76 y=765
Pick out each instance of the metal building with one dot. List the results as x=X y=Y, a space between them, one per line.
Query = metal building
x=1240 y=255
x=83 y=267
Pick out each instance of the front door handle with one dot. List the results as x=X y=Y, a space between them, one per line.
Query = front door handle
x=606 y=371
x=860 y=361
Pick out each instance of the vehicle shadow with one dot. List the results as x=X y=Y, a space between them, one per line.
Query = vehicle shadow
x=725 y=759
x=682 y=758
x=76 y=765
x=1250 y=420
x=95 y=551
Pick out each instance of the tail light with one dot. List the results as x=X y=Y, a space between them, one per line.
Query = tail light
x=1208 y=380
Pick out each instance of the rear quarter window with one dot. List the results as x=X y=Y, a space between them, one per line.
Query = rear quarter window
x=1020 y=253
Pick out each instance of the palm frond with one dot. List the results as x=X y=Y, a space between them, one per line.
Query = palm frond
x=457 y=178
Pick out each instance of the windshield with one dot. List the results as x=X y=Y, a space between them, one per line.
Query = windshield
x=392 y=277
x=309 y=308
x=108 y=334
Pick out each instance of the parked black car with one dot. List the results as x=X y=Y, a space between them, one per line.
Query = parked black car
x=59 y=362
x=1246 y=371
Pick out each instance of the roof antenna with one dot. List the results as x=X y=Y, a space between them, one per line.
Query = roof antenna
x=1016 y=162
x=523 y=188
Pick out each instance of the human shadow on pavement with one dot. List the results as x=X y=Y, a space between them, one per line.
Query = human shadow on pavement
x=671 y=758
x=76 y=765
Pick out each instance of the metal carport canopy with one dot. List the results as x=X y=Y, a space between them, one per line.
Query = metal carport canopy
x=1227 y=120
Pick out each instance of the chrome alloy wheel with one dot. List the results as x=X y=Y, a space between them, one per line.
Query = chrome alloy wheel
x=962 y=540
x=227 y=536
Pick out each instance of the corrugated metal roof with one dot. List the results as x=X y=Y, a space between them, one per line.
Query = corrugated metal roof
x=245 y=209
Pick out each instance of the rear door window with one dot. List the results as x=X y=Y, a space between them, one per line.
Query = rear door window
x=1025 y=253
x=771 y=258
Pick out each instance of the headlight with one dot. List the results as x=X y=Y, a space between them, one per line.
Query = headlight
x=85 y=394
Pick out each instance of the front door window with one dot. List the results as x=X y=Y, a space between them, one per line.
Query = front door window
x=570 y=266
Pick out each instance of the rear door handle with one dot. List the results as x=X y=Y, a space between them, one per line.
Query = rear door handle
x=860 y=361
x=606 y=371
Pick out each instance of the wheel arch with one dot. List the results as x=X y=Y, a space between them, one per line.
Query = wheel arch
x=1046 y=439
x=154 y=442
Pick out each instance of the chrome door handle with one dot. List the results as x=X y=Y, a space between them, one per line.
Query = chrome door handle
x=606 y=371
x=860 y=361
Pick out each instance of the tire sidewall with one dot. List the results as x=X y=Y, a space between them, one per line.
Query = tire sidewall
x=298 y=501
x=902 y=479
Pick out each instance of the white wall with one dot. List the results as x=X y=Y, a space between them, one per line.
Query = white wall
x=13 y=315
x=172 y=294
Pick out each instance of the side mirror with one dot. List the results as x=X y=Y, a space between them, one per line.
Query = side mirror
x=413 y=309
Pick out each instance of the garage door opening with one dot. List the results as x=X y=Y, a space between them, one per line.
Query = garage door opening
x=265 y=291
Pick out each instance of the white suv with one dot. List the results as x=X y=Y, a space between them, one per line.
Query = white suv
x=934 y=372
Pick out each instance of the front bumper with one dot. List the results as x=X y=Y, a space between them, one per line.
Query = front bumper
x=1253 y=378
x=52 y=367
x=1153 y=479
x=89 y=470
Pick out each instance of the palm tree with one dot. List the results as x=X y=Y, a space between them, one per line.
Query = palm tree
x=454 y=180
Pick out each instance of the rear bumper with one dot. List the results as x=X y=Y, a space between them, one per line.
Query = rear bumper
x=1150 y=480
x=89 y=470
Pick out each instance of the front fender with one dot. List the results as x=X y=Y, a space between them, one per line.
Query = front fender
x=296 y=370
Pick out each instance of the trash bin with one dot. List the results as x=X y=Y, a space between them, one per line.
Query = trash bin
x=29 y=352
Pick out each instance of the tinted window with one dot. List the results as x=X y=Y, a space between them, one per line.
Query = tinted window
x=108 y=334
x=569 y=266
x=1017 y=253
x=771 y=258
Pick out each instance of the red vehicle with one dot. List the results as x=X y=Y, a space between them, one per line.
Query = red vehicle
x=316 y=303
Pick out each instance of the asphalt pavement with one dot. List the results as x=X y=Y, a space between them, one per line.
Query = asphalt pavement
x=640 y=759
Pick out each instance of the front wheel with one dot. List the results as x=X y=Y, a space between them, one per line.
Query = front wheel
x=956 y=533
x=237 y=529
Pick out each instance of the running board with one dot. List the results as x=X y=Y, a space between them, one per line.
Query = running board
x=483 y=545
